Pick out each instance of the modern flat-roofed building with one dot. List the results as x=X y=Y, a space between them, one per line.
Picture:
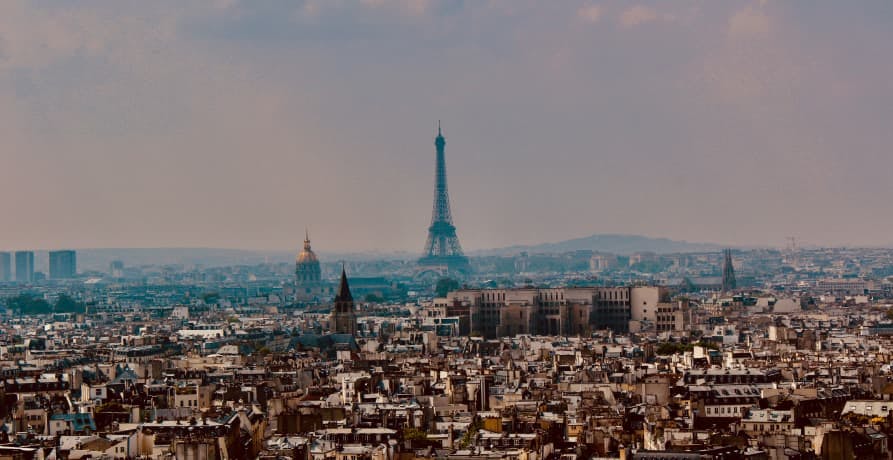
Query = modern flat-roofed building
x=571 y=311
x=843 y=286
x=5 y=267
x=63 y=264
x=24 y=266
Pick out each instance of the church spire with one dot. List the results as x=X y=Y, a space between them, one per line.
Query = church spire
x=343 y=290
x=344 y=318
x=438 y=128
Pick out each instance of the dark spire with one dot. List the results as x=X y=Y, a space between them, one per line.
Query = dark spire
x=344 y=289
x=438 y=128
x=728 y=272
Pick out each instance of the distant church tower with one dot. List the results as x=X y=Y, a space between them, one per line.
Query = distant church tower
x=344 y=318
x=308 y=276
x=728 y=272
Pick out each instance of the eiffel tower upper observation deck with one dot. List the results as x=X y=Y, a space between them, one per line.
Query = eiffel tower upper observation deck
x=443 y=253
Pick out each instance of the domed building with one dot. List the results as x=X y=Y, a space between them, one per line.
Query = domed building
x=309 y=287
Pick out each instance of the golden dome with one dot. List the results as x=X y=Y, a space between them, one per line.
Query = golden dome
x=306 y=255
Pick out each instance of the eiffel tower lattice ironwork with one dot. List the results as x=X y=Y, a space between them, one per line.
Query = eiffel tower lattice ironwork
x=442 y=249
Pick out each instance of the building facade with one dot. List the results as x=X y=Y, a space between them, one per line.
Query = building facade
x=5 y=267
x=560 y=311
x=24 y=266
x=63 y=264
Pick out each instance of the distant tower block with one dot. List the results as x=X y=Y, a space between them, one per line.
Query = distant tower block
x=728 y=272
x=443 y=253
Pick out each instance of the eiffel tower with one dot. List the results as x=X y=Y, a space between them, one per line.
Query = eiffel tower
x=443 y=253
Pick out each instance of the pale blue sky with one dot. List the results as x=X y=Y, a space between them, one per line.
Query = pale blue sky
x=237 y=124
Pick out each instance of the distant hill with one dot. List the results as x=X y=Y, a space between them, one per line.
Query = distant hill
x=610 y=243
x=99 y=259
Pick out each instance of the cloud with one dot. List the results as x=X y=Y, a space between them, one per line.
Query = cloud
x=749 y=23
x=405 y=7
x=238 y=123
x=34 y=37
x=637 y=15
x=590 y=13
x=750 y=69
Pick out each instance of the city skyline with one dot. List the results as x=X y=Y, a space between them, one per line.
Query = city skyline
x=234 y=126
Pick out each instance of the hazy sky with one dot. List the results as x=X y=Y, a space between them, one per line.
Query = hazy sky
x=237 y=123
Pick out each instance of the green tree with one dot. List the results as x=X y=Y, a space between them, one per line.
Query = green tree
x=210 y=297
x=445 y=285
x=414 y=434
x=472 y=431
x=29 y=304
x=372 y=298
x=669 y=348
x=65 y=304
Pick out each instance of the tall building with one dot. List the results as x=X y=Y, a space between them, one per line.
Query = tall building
x=63 y=264
x=344 y=318
x=728 y=272
x=442 y=250
x=5 y=267
x=24 y=266
x=309 y=286
x=116 y=269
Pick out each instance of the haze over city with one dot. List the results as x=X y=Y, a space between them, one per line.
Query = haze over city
x=238 y=124
x=446 y=230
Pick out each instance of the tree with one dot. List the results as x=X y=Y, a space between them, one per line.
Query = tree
x=65 y=304
x=210 y=297
x=687 y=285
x=670 y=348
x=414 y=434
x=372 y=298
x=445 y=285
x=472 y=431
x=29 y=304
